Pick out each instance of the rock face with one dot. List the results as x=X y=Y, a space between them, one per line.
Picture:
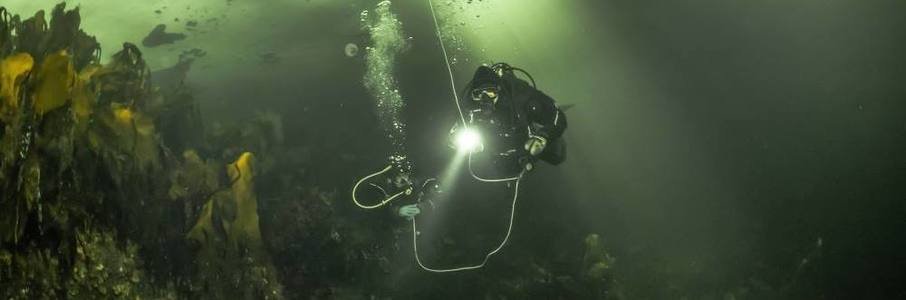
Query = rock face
x=159 y=36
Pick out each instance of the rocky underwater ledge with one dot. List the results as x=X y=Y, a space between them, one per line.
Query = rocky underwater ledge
x=104 y=194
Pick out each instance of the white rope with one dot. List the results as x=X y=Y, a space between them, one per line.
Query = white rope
x=495 y=180
x=506 y=238
x=447 y=62
x=456 y=95
x=465 y=125
x=383 y=202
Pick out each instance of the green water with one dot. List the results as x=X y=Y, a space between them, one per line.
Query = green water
x=716 y=150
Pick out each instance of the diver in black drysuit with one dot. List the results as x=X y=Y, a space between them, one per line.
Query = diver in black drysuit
x=519 y=124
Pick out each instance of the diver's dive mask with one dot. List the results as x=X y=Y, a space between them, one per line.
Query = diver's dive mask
x=485 y=98
x=485 y=94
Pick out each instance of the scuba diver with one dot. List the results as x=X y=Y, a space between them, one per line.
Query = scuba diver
x=516 y=114
x=505 y=122
x=509 y=121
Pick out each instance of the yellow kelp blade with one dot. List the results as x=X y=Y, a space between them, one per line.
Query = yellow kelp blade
x=12 y=72
x=138 y=135
x=55 y=81
x=236 y=212
x=245 y=227
x=83 y=94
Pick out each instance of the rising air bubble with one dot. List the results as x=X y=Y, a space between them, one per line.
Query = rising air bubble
x=351 y=50
x=387 y=43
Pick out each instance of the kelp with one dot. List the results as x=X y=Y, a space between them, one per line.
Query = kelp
x=596 y=261
x=54 y=80
x=126 y=79
x=80 y=157
x=131 y=134
x=228 y=239
x=196 y=179
x=39 y=38
x=7 y=23
x=38 y=140
x=231 y=215
x=13 y=71
x=31 y=34
x=65 y=34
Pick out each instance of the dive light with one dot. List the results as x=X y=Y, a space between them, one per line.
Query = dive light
x=468 y=140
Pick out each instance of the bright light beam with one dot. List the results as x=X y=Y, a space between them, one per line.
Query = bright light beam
x=468 y=140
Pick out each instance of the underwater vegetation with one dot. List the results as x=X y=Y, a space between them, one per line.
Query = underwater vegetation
x=75 y=139
x=91 y=189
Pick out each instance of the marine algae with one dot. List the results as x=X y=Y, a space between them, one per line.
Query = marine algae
x=55 y=79
x=73 y=169
x=196 y=178
x=232 y=215
x=229 y=239
x=84 y=94
x=13 y=70
x=597 y=261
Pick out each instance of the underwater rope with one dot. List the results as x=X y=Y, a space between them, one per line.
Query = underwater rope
x=472 y=172
x=463 y=118
x=506 y=238
x=447 y=62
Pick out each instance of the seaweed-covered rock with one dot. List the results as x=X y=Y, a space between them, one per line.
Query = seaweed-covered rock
x=32 y=275
x=196 y=179
x=102 y=269
x=75 y=169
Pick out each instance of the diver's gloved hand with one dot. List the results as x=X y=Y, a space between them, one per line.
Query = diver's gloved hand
x=409 y=211
x=535 y=145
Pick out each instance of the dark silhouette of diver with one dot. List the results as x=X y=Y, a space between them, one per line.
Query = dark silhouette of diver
x=515 y=125
x=505 y=122
x=519 y=122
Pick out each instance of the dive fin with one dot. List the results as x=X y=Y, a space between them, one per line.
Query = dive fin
x=564 y=108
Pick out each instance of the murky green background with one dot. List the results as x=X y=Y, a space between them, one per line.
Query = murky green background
x=712 y=143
